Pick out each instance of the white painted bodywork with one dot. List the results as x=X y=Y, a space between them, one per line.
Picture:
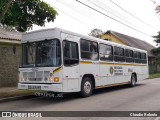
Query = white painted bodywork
x=70 y=77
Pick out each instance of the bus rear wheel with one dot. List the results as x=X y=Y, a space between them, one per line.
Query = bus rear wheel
x=133 y=80
x=86 y=87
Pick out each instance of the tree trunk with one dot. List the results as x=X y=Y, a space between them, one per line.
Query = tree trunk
x=3 y=12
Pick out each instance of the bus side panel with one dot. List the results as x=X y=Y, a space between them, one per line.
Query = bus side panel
x=91 y=69
x=106 y=75
x=71 y=79
x=119 y=73
x=128 y=72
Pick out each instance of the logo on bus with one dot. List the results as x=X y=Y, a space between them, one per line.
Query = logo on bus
x=111 y=70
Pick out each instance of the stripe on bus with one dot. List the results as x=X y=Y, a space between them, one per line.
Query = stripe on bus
x=57 y=70
x=111 y=85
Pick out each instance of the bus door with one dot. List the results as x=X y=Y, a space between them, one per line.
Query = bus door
x=71 y=65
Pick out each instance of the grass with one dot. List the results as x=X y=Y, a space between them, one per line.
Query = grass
x=17 y=93
x=154 y=75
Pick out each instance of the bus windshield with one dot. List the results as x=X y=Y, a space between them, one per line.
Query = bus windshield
x=41 y=54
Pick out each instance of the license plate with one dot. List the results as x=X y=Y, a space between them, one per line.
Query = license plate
x=33 y=87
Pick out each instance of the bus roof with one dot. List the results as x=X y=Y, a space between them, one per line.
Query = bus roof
x=51 y=33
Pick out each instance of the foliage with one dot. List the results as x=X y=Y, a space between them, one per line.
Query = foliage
x=23 y=14
x=96 y=32
x=158 y=9
x=157 y=38
x=154 y=75
x=156 y=51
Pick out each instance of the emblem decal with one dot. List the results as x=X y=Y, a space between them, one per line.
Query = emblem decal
x=111 y=70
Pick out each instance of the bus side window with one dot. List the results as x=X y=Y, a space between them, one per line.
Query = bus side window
x=143 y=58
x=129 y=55
x=70 y=53
x=106 y=52
x=137 y=57
x=119 y=54
x=89 y=50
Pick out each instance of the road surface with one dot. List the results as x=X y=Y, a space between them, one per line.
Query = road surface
x=144 y=97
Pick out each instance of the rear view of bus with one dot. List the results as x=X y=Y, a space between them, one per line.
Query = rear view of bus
x=41 y=61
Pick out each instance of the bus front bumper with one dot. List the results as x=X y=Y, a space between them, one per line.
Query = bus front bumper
x=44 y=87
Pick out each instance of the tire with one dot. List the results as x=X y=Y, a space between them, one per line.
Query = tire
x=86 y=87
x=133 y=80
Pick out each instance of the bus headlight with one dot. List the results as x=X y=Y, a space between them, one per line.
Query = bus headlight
x=50 y=77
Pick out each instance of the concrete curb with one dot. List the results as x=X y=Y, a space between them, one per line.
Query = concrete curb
x=8 y=99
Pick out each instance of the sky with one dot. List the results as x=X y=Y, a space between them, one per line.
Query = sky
x=76 y=17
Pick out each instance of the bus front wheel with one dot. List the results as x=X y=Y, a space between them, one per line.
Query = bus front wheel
x=86 y=87
x=133 y=80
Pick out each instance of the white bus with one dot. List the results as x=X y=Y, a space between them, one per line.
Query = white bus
x=57 y=60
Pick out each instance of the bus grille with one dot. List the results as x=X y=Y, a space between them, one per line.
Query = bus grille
x=36 y=76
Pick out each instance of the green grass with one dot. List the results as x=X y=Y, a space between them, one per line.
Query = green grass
x=17 y=93
x=155 y=75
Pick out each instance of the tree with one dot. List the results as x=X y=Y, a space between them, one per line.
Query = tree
x=96 y=32
x=156 y=51
x=23 y=14
x=5 y=8
x=158 y=9
x=157 y=38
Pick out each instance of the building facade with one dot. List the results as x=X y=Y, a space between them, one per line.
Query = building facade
x=10 y=53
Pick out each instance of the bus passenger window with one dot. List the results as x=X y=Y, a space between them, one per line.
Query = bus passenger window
x=106 y=52
x=85 y=45
x=119 y=54
x=137 y=57
x=129 y=55
x=143 y=58
x=89 y=50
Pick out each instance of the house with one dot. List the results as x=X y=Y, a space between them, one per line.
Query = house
x=133 y=42
x=10 y=52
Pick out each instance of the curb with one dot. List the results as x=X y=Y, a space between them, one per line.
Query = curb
x=8 y=99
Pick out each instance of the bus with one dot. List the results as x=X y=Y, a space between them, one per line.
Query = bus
x=60 y=61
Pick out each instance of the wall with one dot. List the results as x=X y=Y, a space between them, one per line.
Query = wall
x=112 y=38
x=9 y=63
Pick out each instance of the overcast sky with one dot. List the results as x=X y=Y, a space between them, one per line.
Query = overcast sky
x=81 y=19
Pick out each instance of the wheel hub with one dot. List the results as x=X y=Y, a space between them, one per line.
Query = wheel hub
x=87 y=87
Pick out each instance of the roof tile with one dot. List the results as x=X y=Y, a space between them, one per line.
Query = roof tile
x=6 y=34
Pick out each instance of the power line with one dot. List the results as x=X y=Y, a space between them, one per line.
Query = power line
x=72 y=17
x=111 y=18
x=102 y=4
x=75 y=9
x=154 y=2
x=133 y=15
x=112 y=13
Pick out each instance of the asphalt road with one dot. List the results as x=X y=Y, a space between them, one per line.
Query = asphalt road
x=144 y=97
